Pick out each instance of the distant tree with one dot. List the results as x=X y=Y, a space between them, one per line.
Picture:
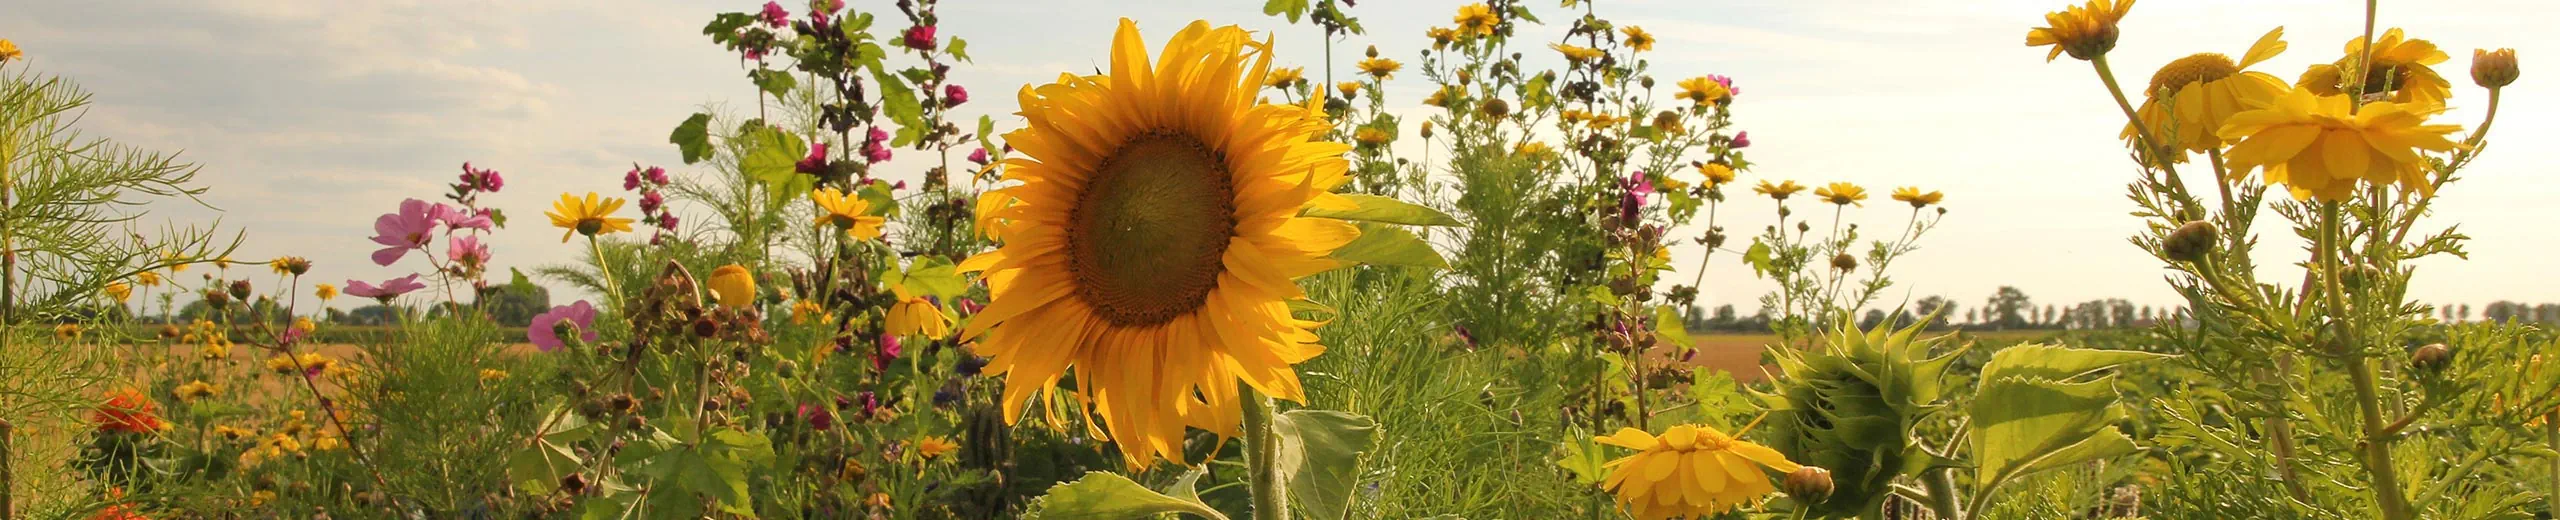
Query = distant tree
x=372 y=315
x=515 y=307
x=2500 y=311
x=2008 y=308
x=1940 y=308
x=2546 y=313
x=2464 y=314
x=1725 y=318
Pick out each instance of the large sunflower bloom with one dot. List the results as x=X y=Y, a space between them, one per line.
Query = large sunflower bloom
x=1689 y=471
x=2319 y=146
x=2191 y=97
x=589 y=216
x=2086 y=31
x=846 y=212
x=1156 y=240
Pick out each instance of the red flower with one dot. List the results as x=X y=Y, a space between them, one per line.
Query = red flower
x=920 y=37
x=128 y=411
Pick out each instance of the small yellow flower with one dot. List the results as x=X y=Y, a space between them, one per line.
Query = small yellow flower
x=934 y=447
x=9 y=51
x=1689 y=471
x=327 y=441
x=120 y=291
x=846 y=212
x=1368 y=136
x=1778 y=191
x=877 y=500
x=234 y=434
x=590 y=216
x=1842 y=193
x=197 y=389
x=1476 y=20
x=733 y=285
x=307 y=363
x=1912 y=194
x=2321 y=79
x=222 y=263
x=325 y=292
x=1441 y=36
x=1349 y=88
x=1717 y=173
x=1637 y=39
x=1577 y=54
x=215 y=347
x=1532 y=149
x=147 y=278
x=305 y=325
x=2402 y=66
x=2191 y=97
x=492 y=375
x=1703 y=91
x=914 y=315
x=804 y=310
x=177 y=264
x=1284 y=78
x=261 y=498
x=69 y=331
x=2321 y=146
x=2085 y=31
x=1380 y=68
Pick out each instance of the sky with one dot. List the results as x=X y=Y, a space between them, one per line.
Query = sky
x=310 y=117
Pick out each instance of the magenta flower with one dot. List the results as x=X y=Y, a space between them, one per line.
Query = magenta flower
x=1729 y=89
x=631 y=180
x=667 y=221
x=389 y=289
x=953 y=95
x=775 y=16
x=468 y=251
x=481 y=180
x=656 y=175
x=978 y=156
x=920 y=37
x=1640 y=184
x=650 y=201
x=404 y=230
x=457 y=219
x=545 y=330
x=291 y=336
x=816 y=162
x=819 y=418
x=1742 y=139
x=889 y=351
x=875 y=147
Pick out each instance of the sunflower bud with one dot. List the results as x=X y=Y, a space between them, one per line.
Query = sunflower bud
x=2493 y=69
x=1810 y=483
x=240 y=290
x=1844 y=262
x=1496 y=108
x=2431 y=359
x=2191 y=241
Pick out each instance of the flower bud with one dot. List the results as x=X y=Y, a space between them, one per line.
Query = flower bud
x=2493 y=69
x=706 y=327
x=240 y=290
x=2431 y=359
x=1844 y=262
x=574 y=483
x=1496 y=108
x=1810 y=484
x=2191 y=242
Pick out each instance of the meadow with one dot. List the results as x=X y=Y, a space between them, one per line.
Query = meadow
x=1204 y=280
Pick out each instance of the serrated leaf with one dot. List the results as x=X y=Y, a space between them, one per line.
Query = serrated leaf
x=2057 y=363
x=1109 y=496
x=538 y=469
x=1584 y=458
x=960 y=49
x=775 y=82
x=1319 y=458
x=898 y=100
x=1668 y=325
x=693 y=138
x=1758 y=257
x=1294 y=9
x=1373 y=208
x=930 y=276
x=1389 y=245
x=2019 y=424
x=772 y=157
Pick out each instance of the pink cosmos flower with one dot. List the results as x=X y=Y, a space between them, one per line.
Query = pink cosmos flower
x=468 y=251
x=545 y=330
x=920 y=37
x=401 y=231
x=457 y=219
x=953 y=95
x=775 y=16
x=389 y=289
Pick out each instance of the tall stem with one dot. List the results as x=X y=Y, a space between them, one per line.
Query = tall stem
x=1942 y=494
x=2142 y=137
x=604 y=270
x=2377 y=441
x=1262 y=454
x=2550 y=430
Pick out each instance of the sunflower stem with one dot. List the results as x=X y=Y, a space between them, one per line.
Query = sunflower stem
x=1942 y=494
x=1262 y=454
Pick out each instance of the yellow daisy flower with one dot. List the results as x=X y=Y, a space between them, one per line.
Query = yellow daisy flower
x=1842 y=193
x=197 y=389
x=1577 y=54
x=804 y=310
x=2403 y=67
x=2322 y=79
x=1368 y=136
x=1348 y=88
x=120 y=291
x=9 y=51
x=1380 y=68
x=1702 y=91
x=2191 y=97
x=69 y=331
x=1441 y=36
x=177 y=264
x=1689 y=471
x=1159 y=240
x=1284 y=78
x=147 y=278
x=846 y=212
x=590 y=216
x=222 y=263
x=1778 y=191
x=2086 y=31
x=1476 y=20
x=935 y=446
x=325 y=292
x=2319 y=146
x=916 y=316
x=490 y=375
x=1637 y=39
x=1717 y=173
x=1912 y=194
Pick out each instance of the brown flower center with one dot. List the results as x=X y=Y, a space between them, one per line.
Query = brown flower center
x=1150 y=230
x=2198 y=68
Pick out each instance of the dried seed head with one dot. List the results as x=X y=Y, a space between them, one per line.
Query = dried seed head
x=2191 y=242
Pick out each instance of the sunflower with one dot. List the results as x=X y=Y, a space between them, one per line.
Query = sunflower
x=1637 y=39
x=588 y=217
x=914 y=315
x=1577 y=54
x=2086 y=31
x=1476 y=20
x=1284 y=78
x=1912 y=194
x=846 y=212
x=1717 y=173
x=1778 y=191
x=2319 y=146
x=1702 y=90
x=1689 y=471
x=2402 y=66
x=2191 y=97
x=1380 y=68
x=1157 y=240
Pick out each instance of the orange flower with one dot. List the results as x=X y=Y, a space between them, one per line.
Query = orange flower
x=128 y=411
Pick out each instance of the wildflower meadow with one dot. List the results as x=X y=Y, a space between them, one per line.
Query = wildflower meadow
x=1195 y=274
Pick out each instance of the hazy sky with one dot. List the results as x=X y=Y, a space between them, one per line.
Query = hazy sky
x=311 y=117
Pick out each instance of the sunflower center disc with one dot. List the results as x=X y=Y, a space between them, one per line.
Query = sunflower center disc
x=2197 y=68
x=1151 y=230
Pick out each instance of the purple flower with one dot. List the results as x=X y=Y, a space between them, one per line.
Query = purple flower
x=816 y=162
x=650 y=201
x=631 y=180
x=404 y=230
x=456 y=219
x=389 y=289
x=1742 y=139
x=971 y=365
x=545 y=330
x=481 y=180
x=667 y=221
x=953 y=95
x=775 y=16
x=875 y=147
x=1729 y=89
x=468 y=251
x=978 y=156
x=920 y=37
x=656 y=175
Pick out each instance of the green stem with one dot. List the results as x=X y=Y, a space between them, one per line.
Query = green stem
x=2150 y=152
x=1942 y=494
x=1262 y=453
x=613 y=290
x=2550 y=430
x=2377 y=442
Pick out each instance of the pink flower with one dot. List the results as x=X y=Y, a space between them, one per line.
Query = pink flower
x=819 y=418
x=481 y=180
x=1742 y=139
x=404 y=230
x=920 y=37
x=468 y=251
x=978 y=156
x=816 y=162
x=456 y=219
x=631 y=180
x=876 y=147
x=545 y=330
x=775 y=16
x=953 y=95
x=889 y=351
x=667 y=221
x=291 y=336
x=656 y=175
x=1640 y=184
x=389 y=289
x=650 y=201
x=1729 y=89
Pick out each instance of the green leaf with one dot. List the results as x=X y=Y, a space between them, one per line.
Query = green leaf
x=1109 y=496
x=960 y=49
x=775 y=82
x=693 y=137
x=986 y=131
x=2057 y=363
x=518 y=281
x=1294 y=9
x=1670 y=327
x=772 y=157
x=2020 y=425
x=898 y=100
x=1758 y=256
x=877 y=194
x=930 y=276
x=1387 y=245
x=538 y=469
x=1584 y=458
x=1373 y=208
x=1319 y=458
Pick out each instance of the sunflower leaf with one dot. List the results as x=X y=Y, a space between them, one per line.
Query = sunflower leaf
x=1373 y=208
x=1389 y=245
x=1320 y=458
x=1108 y=496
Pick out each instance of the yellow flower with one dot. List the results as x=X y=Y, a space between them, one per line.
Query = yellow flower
x=1348 y=88
x=1368 y=136
x=1717 y=173
x=147 y=278
x=1284 y=78
x=877 y=500
x=305 y=325
x=1842 y=193
x=804 y=310
x=2493 y=69
x=1778 y=191
x=2401 y=66
x=1637 y=39
x=916 y=316
x=69 y=331
x=177 y=264
x=2191 y=97
x=261 y=497
x=1577 y=54
x=847 y=212
x=215 y=347
x=1380 y=68
x=1440 y=97
x=1702 y=91
x=1532 y=149
x=2321 y=79
x=307 y=363
x=1476 y=20
x=491 y=375
x=2319 y=146
x=1689 y=471
x=991 y=214
x=934 y=447
x=1441 y=36
x=733 y=285
x=590 y=216
x=197 y=389
x=325 y=292
x=120 y=291
x=222 y=263
x=327 y=441
x=9 y=51
x=233 y=433
x=1912 y=194
x=1161 y=240
x=2086 y=31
